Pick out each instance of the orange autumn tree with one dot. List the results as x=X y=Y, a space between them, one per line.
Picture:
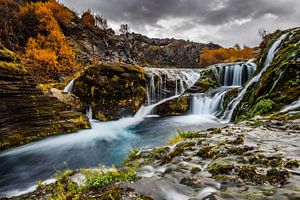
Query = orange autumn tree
x=233 y=54
x=48 y=55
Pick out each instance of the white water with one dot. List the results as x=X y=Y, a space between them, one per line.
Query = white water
x=235 y=103
x=69 y=87
x=89 y=113
x=158 y=89
x=235 y=74
x=293 y=106
x=206 y=104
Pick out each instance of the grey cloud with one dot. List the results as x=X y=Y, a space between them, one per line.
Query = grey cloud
x=139 y=13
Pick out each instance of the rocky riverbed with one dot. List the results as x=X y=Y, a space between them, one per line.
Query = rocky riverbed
x=255 y=159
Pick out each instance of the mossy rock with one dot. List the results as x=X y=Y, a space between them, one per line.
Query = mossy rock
x=279 y=84
x=113 y=90
x=175 y=107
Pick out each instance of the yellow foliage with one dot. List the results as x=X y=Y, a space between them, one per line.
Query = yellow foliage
x=210 y=57
x=49 y=52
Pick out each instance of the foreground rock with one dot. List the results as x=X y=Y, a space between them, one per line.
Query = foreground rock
x=112 y=90
x=26 y=114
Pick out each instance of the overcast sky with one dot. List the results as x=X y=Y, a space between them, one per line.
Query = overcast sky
x=225 y=22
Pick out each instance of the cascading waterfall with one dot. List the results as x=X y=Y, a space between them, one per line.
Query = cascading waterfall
x=69 y=87
x=235 y=103
x=166 y=84
x=231 y=75
x=205 y=104
x=235 y=74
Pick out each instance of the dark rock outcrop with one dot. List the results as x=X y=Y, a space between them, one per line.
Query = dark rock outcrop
x=26 y=114
x=131 y=48
x=112 y=90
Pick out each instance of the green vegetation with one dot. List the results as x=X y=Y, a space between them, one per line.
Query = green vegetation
x=191 y=134
x=100 y=178
x=65 y=188
x=262 y=107
x=280 y=83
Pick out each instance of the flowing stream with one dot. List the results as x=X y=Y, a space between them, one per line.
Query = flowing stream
x=108 y=143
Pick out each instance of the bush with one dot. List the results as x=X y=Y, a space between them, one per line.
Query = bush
x=262 y=107
x=210 y=57
x=48 y=55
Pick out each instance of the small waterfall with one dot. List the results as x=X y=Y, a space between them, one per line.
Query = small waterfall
x=293 y=106
x=205 y=104
x=235 y=74
x=164 y=85
x=89 y=113
x=69 y=87
x=235 y=103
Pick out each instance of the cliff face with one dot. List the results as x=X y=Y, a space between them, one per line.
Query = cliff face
x=26 y=114
x=279 y=85
x=131 y=48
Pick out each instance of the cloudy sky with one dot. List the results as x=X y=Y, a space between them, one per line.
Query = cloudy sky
x=226 y=22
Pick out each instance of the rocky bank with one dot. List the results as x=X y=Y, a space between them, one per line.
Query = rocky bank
x=26 y=114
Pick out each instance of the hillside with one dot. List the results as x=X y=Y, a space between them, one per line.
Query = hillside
x=48 y=35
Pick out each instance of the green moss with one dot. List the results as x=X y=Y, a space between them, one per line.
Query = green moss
x=93 y=91
x=133 y=155
x=195 y=170
x=217 y=169
x=292 y=164
x=191 y=134
x=207 y=152
x=239 y=140
x=12 y=66
x=178 y=150
x=239 y=150
x=101 y=117
x=175 y=139
x=8 y=54
x=274 y=161
x=207 y=84
x=81 y=122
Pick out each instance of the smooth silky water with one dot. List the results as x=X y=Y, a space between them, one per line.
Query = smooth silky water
x=107 y=143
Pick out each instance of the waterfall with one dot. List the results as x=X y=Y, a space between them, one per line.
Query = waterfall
x=235 y=74
x=164 y=85
x=293 y=106
x=235 y=103
x=69 y=87
x=205 y=104
x=89 y=112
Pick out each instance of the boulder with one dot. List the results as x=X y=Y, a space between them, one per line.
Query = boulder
x=175 y=107
x=112 y=90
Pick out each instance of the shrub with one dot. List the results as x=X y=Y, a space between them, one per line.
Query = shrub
x=210 y=57
x=262 y=107
x=48 y=55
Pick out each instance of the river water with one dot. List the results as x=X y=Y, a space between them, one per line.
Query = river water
x=107 y=143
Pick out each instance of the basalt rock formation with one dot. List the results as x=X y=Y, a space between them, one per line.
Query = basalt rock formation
x=131 y=48
x=26 y=114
